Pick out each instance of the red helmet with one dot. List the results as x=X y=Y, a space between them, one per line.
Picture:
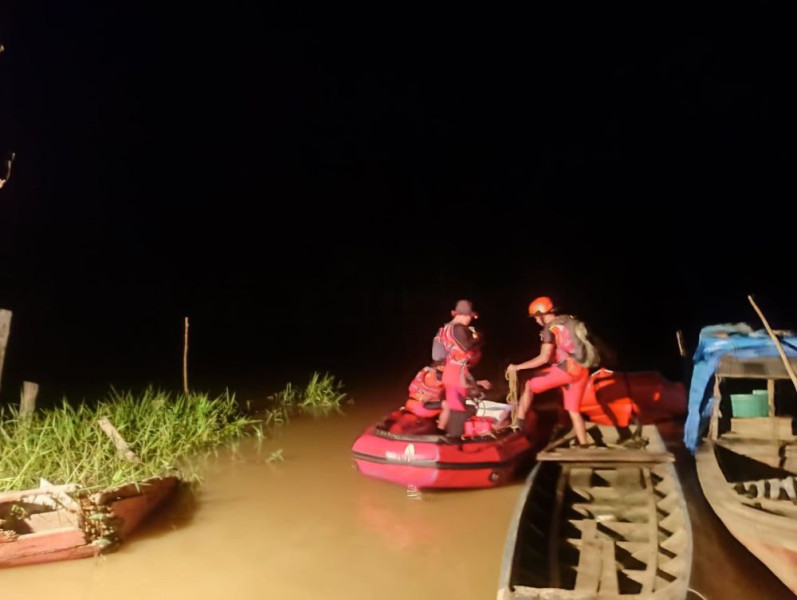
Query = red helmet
x=540 y=306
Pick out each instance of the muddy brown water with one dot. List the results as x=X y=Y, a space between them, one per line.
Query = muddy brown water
x=310 y=526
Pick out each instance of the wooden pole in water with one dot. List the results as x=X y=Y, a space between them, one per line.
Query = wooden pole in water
x=28 y=402
x=5 y=329
x=185 y=360
x=681 y=348
x=775 y=339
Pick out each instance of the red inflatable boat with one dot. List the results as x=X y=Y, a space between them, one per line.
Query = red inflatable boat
x=407 y=448
x=615 y=398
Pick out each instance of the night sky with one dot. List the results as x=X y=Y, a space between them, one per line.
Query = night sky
x=318 y=198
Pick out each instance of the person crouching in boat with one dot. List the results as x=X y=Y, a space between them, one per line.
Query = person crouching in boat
x=462 y=345
x=427 y=391
x=559 y=368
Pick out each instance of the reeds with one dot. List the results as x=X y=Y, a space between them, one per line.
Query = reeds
x=165 y=432
x=322 y=394
x=65 y=444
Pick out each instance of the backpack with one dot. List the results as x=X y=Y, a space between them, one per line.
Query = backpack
x=438 y=348
x=584 y=351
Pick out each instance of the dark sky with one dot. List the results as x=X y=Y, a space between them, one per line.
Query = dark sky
x=319 y=197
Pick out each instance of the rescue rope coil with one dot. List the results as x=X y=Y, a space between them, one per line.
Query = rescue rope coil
x=511 y=397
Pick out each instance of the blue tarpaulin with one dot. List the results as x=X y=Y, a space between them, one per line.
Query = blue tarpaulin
x=715 y=342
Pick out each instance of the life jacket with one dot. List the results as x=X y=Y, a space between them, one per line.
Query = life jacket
x=572 y=341
x=426 y=393
x=427 y=385
x=458 y=360
x=454 y=352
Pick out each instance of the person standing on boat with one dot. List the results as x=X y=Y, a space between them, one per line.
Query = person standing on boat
x=557 y=366
x=462 y=344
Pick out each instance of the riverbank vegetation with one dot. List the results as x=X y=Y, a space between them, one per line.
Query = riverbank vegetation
x=157 y=433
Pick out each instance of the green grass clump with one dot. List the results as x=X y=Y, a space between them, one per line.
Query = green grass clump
x=322 y=394
x=65 y=444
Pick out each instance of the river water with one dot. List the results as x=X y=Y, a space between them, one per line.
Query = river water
x=310 y=526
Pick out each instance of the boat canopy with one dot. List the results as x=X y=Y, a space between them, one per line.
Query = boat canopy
x=730 y=350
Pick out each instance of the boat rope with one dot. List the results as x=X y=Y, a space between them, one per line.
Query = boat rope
x=511 y=397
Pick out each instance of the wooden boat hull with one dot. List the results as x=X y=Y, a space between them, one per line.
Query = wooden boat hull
x=599 y=529
x=767 y=527
x=53 y=526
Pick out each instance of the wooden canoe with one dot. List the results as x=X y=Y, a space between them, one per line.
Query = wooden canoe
x=747 y=466
x=757 y=503
x=607 y=524
x=53 y=523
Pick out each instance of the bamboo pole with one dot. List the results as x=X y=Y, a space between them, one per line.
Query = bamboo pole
x=679 y=335
x=5 y=330
x=775 y=339
x=185 y=360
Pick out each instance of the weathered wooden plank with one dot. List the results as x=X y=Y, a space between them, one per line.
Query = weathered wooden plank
x=43 y=548
x=28 y=403
x=763 y=428
x=760 y=367
x=608 y=583
x=52 y=519
x=556 y=518
x=34 y=495
x=132 y=489
x=135 y=509
x=72 y=553
x=599 y=455
x=122 y=446
x=527 y=593
x=588 y=571
x=185 y=360
x=771 y=396
x=5 y=330
x=653 y=539
x=42 y=542
x=59 y=494
x=617 y=511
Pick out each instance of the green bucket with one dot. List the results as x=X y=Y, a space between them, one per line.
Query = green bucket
x=750 y=405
